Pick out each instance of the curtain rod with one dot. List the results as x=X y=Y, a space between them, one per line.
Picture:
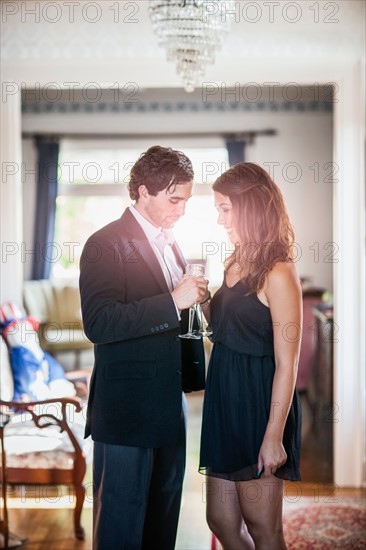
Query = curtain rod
x=235 y=136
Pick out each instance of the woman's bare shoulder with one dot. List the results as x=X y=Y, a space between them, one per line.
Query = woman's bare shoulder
x=283 y=274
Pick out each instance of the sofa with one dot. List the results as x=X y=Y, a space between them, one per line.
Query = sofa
x=58 y=310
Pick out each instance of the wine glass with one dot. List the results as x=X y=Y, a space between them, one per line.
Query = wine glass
x=195 y=270
x=202 y=330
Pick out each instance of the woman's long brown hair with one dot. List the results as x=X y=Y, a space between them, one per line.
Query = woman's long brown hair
x=261 y=219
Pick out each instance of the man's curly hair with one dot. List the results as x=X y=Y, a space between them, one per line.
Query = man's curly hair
x=159 y=168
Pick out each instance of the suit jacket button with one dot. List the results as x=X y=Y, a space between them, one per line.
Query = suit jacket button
x=152 y=329
x=161 y=327
x=166 y=325
x=156 y=328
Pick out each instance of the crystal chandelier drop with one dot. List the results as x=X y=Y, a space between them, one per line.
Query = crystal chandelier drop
x=191 y=31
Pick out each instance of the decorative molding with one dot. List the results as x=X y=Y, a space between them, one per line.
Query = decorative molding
x=175 y=107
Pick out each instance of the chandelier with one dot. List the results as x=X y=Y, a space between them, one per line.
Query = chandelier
x=191 y=31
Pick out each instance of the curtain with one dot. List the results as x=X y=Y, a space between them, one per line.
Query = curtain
x=236 y=151
x=48 y=150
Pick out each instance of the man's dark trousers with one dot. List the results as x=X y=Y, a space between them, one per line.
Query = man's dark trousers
x=147 y=485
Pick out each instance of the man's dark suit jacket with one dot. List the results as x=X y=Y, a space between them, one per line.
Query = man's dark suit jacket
x=136 y=388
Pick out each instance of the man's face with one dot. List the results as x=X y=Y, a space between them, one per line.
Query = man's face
x=165 y=209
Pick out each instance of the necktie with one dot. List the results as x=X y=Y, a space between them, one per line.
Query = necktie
x=164 y=238
x=163 y=241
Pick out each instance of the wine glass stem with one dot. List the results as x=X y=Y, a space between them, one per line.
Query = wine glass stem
x=199 y=316
x=191 y=318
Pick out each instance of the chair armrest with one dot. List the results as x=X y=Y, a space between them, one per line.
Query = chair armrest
x=44 y=420
x=22 y=406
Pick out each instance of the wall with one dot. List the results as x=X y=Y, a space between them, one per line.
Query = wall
x=296 y=155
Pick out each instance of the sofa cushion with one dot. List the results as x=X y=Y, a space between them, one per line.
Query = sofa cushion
x=58 y=309
x=65 y=339
x=67 y=305
x=37 y=297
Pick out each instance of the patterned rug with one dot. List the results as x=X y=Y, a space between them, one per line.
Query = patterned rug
x=328 y=524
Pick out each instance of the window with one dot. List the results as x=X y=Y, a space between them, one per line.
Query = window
x=93 y=178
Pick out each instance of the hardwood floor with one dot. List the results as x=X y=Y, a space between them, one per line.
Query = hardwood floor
x=46 y=518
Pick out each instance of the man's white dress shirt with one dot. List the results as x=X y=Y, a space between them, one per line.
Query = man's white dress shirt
x=161 y=241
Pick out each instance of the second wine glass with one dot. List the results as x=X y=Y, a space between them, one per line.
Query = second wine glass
x=195 y=270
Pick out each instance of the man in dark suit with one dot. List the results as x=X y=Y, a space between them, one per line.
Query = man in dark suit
x=133 y=296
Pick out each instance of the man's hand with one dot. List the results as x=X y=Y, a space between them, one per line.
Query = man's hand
x=188 y=291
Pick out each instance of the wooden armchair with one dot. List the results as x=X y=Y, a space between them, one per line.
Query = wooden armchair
x=44 y=443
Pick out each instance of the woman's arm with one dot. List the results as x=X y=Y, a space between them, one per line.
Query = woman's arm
x=283 y=292
x=205 y=305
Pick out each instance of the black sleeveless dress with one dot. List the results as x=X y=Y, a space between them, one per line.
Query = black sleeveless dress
x=238 y=390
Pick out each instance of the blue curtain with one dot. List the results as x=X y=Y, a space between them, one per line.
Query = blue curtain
x=48 y=150
x=236 y=151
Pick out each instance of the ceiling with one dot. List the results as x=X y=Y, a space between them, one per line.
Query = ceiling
x=115 y=42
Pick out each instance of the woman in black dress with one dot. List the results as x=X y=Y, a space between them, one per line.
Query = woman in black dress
x=251 y=426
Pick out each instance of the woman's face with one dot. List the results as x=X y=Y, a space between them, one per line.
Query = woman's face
x=224 y=207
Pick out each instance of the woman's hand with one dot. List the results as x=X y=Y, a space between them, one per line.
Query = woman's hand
x=271 y=456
